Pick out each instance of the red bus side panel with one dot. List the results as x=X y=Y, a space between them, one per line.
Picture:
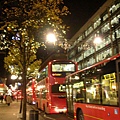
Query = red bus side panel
x=97 y=112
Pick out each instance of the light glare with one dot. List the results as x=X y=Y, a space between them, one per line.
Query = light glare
x=51 y=38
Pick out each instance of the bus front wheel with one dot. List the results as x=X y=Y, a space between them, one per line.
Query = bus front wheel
x=80 y=115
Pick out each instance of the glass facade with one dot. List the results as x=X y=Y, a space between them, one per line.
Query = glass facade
x=105 y=23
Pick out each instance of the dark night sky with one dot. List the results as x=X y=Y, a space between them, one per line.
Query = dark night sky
x=81 y=11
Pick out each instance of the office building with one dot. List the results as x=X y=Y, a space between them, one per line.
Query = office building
x=105 y=23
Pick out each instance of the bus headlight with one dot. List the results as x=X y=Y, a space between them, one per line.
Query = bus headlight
x=63 y=110
x=33 y=102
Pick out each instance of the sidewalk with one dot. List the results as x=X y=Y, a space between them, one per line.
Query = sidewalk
x=12 y=112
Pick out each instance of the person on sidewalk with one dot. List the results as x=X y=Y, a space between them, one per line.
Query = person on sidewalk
x=8 y=100
x=1 y=97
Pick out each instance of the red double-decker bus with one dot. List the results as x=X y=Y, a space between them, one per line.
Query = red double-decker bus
x=94 y=92
x=50 y=90
x=31 y=96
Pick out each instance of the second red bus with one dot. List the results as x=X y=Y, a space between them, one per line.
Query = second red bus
x=50 y=90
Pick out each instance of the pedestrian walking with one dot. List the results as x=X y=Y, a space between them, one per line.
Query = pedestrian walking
x=1 y=97
x=8 y=100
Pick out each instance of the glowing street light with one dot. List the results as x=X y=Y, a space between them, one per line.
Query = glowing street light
x=51 y=38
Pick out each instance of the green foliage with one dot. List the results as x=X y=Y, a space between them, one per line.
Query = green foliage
x=14 y=60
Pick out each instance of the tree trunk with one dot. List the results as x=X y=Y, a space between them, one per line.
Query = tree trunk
x=24 y=84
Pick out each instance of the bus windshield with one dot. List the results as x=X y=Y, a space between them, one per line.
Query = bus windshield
x=63 y=67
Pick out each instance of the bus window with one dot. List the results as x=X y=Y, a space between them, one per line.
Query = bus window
x=109 y=89
x=89 y=91
x=79 y=96
x=64 y=67
x=78 y=92
x=93 y=90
